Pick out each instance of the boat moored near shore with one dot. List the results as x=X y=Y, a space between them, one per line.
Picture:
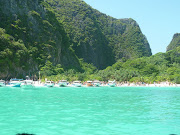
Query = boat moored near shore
x=2 y=83
x=112 y=83
x=77 y=84
x=49 y=84
x=96 y=83
x=27 y=84
x=63 y=83
x=15 y=83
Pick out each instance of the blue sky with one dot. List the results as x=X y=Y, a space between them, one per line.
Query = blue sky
x=158 y=19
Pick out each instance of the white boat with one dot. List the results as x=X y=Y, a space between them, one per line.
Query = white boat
x=112 y=83
x=49 y=84
x=96 y=83
x=15 y=83
x=38 y=84
x=2 y=83
x=27 y=84
x=77 y=84
x=63 y=83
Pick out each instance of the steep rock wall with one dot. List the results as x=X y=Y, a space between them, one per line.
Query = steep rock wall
x=40 y=36
x=98 y=38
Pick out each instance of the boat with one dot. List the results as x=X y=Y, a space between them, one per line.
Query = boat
x=63 y=83
x=27 y=84
x=49 y=84
x=89 y=84
x=96 y=83
x=112 y=83
x=76 y=84
x=38 y=84
x=2 y=83
x=15 y=83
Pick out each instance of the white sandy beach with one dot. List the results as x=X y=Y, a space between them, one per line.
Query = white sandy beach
x=162 y=84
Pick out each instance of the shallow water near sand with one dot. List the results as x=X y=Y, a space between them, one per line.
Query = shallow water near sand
x=90 y=111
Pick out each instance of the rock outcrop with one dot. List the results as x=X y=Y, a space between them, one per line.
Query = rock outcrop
x=175 y=42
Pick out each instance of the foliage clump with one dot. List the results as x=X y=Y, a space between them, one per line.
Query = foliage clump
x=30 y=36
x=175 y=42
x=98 y=38
x=157 y=68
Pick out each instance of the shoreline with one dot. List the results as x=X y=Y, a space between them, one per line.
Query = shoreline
x=38 y=84
x=149 y=85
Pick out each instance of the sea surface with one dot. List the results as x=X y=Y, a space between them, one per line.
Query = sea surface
x=90 y=111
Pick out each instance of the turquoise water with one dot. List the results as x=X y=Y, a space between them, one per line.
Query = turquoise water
x=90 y=111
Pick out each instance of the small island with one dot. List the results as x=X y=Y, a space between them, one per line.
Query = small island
x=68 y=69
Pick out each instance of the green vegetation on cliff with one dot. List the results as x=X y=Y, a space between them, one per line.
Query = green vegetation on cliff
x=30 y=35
x=12 y=53
x=175 y=42
x=36 y=33
x=156 y=68
x=61 y=38
x=98 y=38
x=159 y=67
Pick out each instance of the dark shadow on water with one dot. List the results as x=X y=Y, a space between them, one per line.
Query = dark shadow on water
x=24 y=134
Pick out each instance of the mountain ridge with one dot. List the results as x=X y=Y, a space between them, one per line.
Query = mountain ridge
x=175 y=42
x=120 y=37
x=35 y=29
x=37 y=33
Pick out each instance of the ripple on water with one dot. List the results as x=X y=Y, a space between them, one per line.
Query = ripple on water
x=83 y=111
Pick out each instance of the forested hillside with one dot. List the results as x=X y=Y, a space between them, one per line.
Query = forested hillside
x=98 y=38
x=160 y=67
x=30 y=36
x=157 y=68
x=61 y=38
x=175 y=42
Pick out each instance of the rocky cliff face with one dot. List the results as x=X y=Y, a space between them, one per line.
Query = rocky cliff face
x=175 y=42
x=98 y=38
x=39 y=35
x=33 y=32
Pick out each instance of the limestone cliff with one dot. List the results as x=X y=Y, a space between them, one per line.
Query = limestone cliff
x=175 y=42
x=30 y=36
x=98 y=38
